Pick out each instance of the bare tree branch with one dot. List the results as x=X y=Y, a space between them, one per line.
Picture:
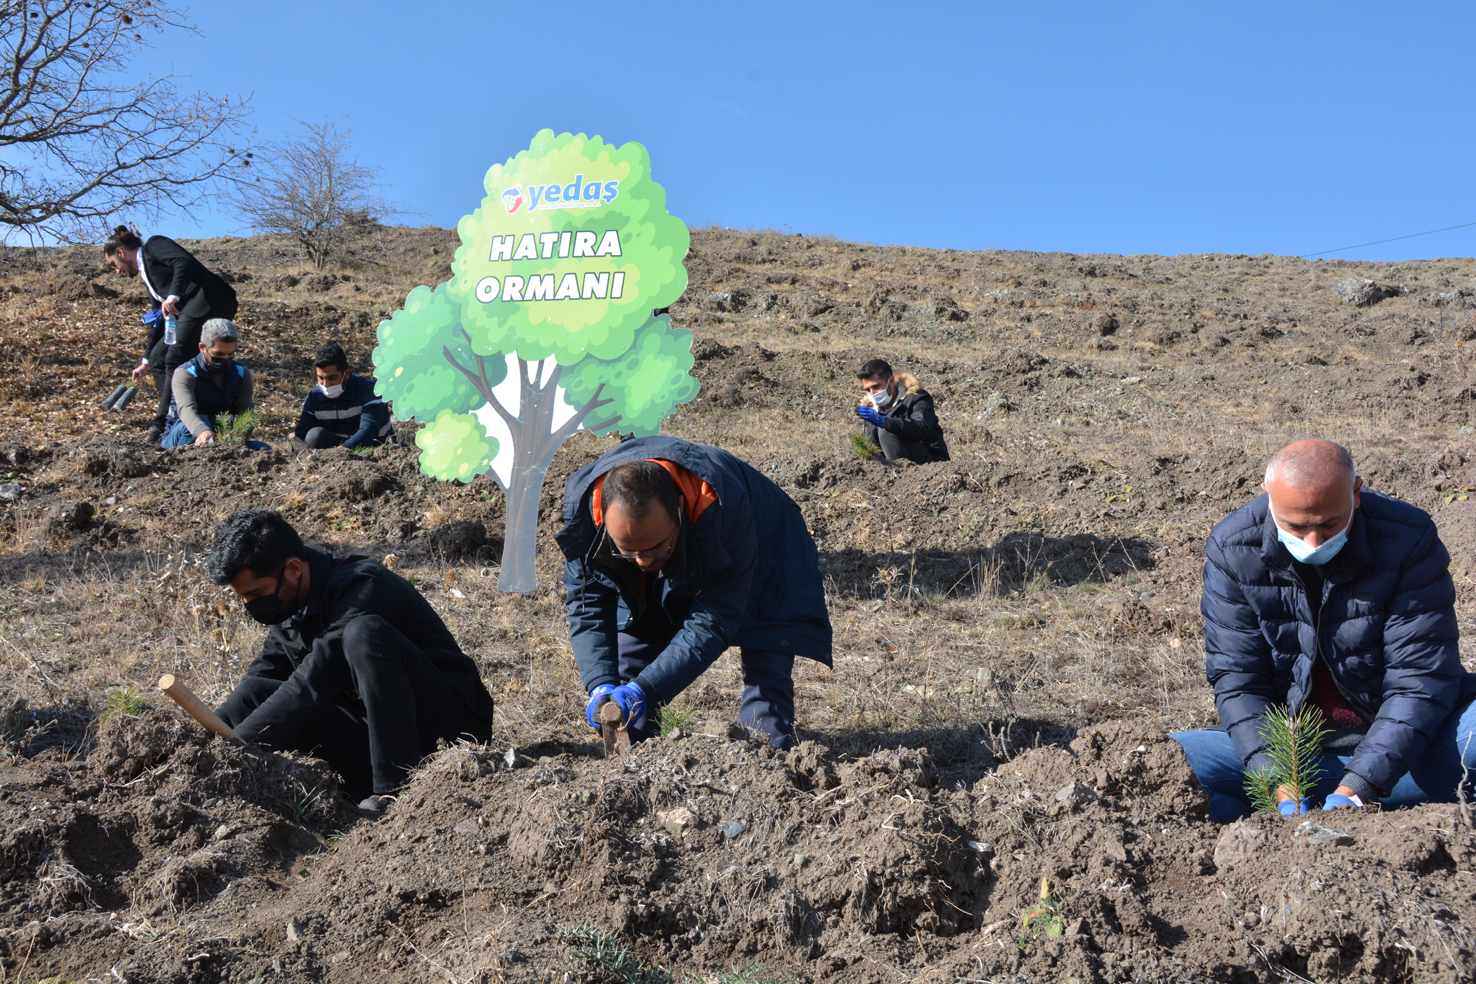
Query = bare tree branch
x=313 y=189
x=82 y=138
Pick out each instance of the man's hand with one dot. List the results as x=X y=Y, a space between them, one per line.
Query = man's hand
x=206 y=437
x=1341 y=797
x=632 y=701
x=1293 y=808
x=170 y=306
x=1288 y=806
x=596 y=698
x=139 y=371
x=871 y=416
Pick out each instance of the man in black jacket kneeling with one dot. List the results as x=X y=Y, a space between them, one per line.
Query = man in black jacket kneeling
x=356 y=667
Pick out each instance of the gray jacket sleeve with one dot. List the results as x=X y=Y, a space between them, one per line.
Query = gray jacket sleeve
x=184 y=398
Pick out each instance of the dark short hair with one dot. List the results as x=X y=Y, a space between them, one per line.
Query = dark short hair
x=122 y=236
x=330 y=355
x=874 y=368
x=637 y=486
x=255 y=540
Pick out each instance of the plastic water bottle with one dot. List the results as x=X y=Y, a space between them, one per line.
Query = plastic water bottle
x=171 y=332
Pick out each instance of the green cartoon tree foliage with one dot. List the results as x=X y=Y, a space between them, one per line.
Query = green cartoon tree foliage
x=546 y=326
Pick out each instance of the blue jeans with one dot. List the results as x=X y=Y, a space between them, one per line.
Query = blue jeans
x=179 y=436
x=1445 y=764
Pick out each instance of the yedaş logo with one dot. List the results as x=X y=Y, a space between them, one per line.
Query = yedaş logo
x=575 y=194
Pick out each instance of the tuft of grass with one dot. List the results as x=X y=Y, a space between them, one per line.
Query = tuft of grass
x=677 y=714
x=600 y=955
x=862 y=448
x=124 y=701
x=753 y=974
x=1294 y=743
x=305 y=802
x=235 y=428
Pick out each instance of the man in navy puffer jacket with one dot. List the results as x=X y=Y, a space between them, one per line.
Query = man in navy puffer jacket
x=1320 y=591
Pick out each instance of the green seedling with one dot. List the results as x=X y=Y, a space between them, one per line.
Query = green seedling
x=1294 y=743
x=1044 y=918
x=862 y=448
x=1459 y=494
x=124 y=701
x=1121 y=495
x=235 y=428
x=677 y=714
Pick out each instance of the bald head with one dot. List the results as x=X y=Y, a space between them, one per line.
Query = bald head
x=1305 y=464
x=1313 y=489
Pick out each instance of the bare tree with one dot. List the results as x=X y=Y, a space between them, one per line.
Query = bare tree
x=82 y=138
x=313 y=189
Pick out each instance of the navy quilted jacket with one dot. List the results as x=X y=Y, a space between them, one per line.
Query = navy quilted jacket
x=745 y=574
x=1387 y=630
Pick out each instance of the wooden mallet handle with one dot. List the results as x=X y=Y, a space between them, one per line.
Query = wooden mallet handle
x=196 y=708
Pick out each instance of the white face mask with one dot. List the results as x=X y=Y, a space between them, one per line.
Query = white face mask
x=1308 y=554
x=332 y=392
x=883 y=399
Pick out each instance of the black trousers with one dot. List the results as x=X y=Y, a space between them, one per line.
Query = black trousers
x=322 y=437
x=768 y=679
x=380 y=709
x=186 y=346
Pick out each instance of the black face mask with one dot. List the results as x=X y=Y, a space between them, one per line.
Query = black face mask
x=271 y=609
x=218 y=365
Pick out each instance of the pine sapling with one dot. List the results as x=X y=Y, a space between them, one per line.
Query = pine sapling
x=1294 y=745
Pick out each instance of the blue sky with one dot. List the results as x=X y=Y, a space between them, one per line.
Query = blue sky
x=1114 y=128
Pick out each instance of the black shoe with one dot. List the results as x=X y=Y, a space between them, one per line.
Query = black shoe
x=155 y=432
x=376 y=804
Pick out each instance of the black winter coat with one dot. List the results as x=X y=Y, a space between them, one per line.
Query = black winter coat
x=342 y=589
x=913 y=431
x=1387 y=631
x=745 y=574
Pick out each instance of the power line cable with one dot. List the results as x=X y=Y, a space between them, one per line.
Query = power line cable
x=1379 y=242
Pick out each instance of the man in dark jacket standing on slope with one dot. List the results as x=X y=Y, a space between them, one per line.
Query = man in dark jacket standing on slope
x=1322 y=591
x=356 y=666
x=675 y=551
x=900 y=419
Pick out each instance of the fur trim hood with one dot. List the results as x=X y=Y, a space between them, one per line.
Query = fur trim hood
x=908 y=384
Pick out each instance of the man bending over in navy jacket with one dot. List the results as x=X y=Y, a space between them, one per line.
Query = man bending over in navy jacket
x=1323 y=591
x=342 y=410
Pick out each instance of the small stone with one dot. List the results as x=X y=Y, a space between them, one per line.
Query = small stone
x=10 y=491
x=1104 y=323
x=675 y=734
x=979 y=847
x=676 y=820
x=1079 y=928
x=296 y=930
x=1362 y=293
x=467 y=826
x=224 y=832
x=545 y=760
x=514 y=760
x=111 y=500
x=734 y=829
x=799 y=860
x=984 y=677
x=1237 y=843
x=1076 y=792
x=1316 y=835
x=1130 y=380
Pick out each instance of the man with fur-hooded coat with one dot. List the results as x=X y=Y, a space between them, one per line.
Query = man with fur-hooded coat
x=899 y=416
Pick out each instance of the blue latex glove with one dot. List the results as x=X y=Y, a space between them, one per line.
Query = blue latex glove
x=632 y=701
x=1337 y=801
x=596 y=698
x=872 y=416
x=152 y=318
x=1293 y=808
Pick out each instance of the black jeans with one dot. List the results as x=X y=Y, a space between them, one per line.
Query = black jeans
x=385 y=704
x=768 y=679
x=322 y=437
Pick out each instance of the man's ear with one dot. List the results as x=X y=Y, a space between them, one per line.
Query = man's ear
x=1357 y=487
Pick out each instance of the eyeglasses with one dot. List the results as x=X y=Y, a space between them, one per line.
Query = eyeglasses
x=649 y=554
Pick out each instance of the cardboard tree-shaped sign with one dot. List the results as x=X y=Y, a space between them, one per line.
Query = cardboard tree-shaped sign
x=546 y=326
